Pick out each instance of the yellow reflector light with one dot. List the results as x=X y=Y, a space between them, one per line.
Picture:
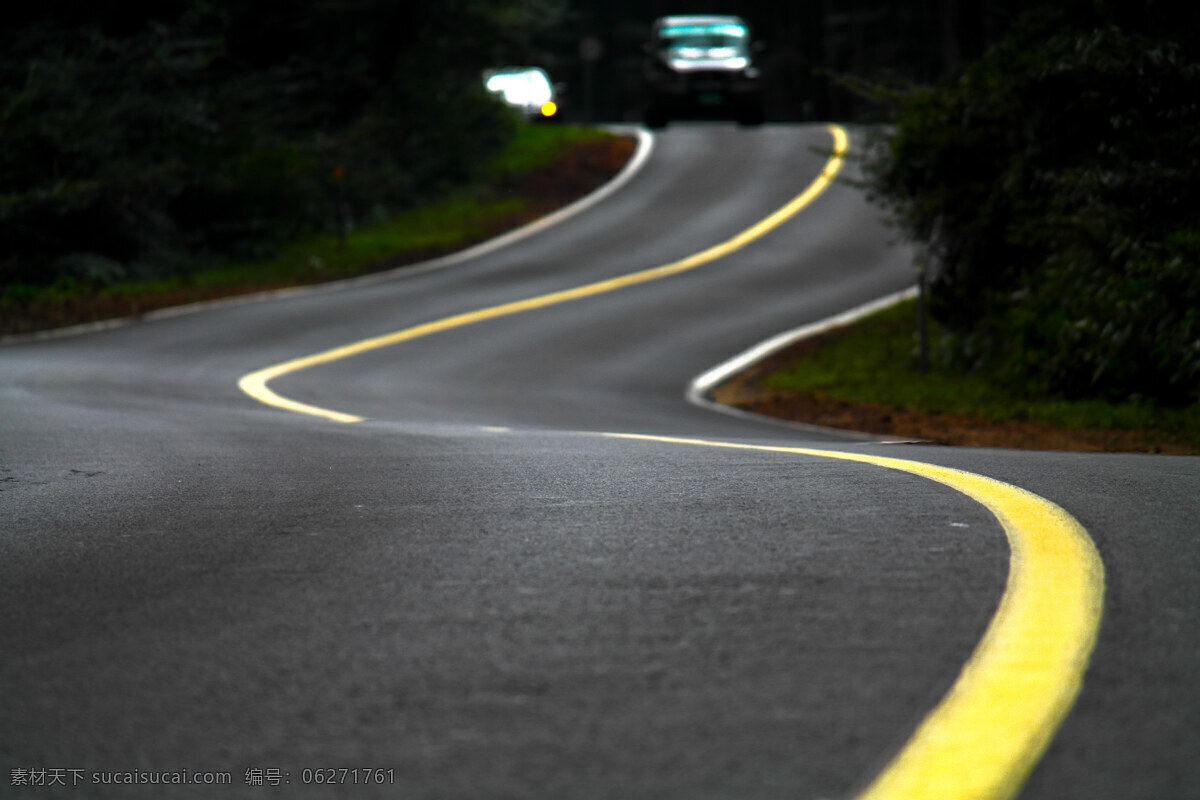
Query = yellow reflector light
x=549 y=108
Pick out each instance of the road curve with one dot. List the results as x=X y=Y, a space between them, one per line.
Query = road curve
x=475 y=593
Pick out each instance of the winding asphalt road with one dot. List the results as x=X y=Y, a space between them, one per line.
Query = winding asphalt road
x=475 y=593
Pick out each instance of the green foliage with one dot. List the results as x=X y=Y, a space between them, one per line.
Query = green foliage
x=1057 y=189
x=874 y=361
x=536 y=146
x=93 y=287
x=140 y=144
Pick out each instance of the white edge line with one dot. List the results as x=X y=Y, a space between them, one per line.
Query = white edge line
x=698 y=392
x=641 y=154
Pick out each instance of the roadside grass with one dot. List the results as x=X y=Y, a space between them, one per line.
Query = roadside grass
x=538 y=146
x=874 y=361
x=452 y=222
x=462 y=217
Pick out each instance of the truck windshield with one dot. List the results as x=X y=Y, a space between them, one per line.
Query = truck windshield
x=704 y=41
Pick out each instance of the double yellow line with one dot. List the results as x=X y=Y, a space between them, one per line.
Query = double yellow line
x=986 y=735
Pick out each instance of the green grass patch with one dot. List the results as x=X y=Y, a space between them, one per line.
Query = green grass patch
x=445 y=225
x=875 y=361
x=538 y=146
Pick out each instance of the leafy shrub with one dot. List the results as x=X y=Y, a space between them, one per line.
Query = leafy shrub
x=133 y=144
x=1057 y=188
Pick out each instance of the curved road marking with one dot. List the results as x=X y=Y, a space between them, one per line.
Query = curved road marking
x=984 y=738
x=711 y=378
x=700 y=390
x=986 y=735
x=255 y=383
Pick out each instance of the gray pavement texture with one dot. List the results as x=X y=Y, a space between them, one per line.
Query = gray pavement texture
x=474 y=590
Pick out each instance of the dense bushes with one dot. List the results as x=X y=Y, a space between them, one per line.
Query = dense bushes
x=1056 y=187
x=133 y=145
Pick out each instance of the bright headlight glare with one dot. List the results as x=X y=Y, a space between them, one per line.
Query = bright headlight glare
x=530 y=89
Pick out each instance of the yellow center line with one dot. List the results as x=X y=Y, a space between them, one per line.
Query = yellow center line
x=255 y=383
x=986 y=735
x=984 y=738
